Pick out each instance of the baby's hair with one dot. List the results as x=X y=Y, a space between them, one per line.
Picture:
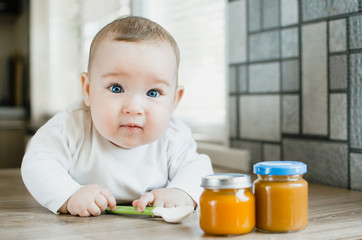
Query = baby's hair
x=133 y=29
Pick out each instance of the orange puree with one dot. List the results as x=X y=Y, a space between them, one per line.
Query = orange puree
x=281 y=203
x=227 y=211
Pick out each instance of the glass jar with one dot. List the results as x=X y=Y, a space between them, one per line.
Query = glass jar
x=281 y=196
x=227 y=205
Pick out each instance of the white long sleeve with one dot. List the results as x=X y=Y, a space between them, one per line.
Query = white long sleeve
x=68 y=152
x=186 y=166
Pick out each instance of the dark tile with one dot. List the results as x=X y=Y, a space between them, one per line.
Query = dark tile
x=314 y=79
x=337 y=35
x=232 y=79
x=263 y=124
x=338 y=116
x=290 y=107
x=355 y=101
x=290 y=75
x=314 y=9
x=338 y=72
x=271 y=152
x=264 y=77
x=290 y=42
x=356 y=171
x=342 y=6
x=254 y=13
x=355 y=38
x=254 y=148
x=233 y=121
x=270 y=13
x=290 y=13
x=242 y=81
x=237 y=31
x=264 y=46
x=326 y=161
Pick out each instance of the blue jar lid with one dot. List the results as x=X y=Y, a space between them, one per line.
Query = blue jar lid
x=280 y=168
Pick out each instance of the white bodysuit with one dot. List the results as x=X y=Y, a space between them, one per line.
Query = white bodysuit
x=68 y=152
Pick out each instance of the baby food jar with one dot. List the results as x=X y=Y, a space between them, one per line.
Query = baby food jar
x=281 y=196
x=227 y=205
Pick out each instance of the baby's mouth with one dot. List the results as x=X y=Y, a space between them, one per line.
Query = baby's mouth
x=131 y=127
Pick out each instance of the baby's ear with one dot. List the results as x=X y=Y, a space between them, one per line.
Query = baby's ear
x=85 y=88
x=178 y=95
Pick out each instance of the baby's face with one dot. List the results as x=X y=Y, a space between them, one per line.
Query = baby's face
x=131 y=91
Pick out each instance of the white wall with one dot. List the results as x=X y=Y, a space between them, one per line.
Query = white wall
x=39 y=57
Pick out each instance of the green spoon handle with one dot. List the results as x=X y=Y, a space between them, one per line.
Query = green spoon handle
x=131 y=210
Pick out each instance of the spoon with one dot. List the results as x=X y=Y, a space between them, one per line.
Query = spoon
x=171 y=215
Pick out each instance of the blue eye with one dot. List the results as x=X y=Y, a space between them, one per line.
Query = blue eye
x=116 y=88
x=153 y=93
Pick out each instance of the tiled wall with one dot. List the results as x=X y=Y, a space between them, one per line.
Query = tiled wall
x=295 y=84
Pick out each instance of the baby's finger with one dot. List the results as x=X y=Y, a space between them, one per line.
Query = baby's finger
x=144 y=200
x=110 y=198
x=101 y=202
x=159 y=202
x=78 y=210
x=84 y=213
x=135 y=203
x=94 y=210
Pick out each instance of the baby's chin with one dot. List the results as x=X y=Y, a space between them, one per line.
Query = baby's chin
x=122 y=146
x=133 y=142
x=129 y=145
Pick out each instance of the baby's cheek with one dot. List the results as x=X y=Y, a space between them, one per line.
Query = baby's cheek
x=103 y=123
x=157 y=128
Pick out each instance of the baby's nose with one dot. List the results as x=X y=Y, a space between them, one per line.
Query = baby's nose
x=133 y=106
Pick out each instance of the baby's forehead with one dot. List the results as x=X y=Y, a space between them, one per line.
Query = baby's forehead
x=136 y=56
x=105 y=41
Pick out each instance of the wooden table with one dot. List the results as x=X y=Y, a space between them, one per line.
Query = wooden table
x=333 y=214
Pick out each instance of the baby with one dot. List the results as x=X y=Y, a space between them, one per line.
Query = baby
x=120 y=143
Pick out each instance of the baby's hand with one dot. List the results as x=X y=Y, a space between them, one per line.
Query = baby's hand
x=164 y=197
x=89 y=200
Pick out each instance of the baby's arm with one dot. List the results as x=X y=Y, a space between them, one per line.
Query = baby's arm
x=185 y=170
x=47 y=164
x=89 y=200
x=164 y=197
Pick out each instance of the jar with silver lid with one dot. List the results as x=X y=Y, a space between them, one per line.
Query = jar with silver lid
x=227 y=204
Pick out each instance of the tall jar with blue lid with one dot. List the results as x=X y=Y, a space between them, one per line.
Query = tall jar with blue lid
x=281 y=196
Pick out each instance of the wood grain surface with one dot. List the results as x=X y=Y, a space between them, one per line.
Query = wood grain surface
x=333 y=214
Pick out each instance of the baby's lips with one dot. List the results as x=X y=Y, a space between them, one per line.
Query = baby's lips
x=131 y=125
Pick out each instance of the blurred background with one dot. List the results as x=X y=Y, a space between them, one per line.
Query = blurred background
x=265 y=79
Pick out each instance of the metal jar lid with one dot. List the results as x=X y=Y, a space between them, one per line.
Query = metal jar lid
x=226 y=181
